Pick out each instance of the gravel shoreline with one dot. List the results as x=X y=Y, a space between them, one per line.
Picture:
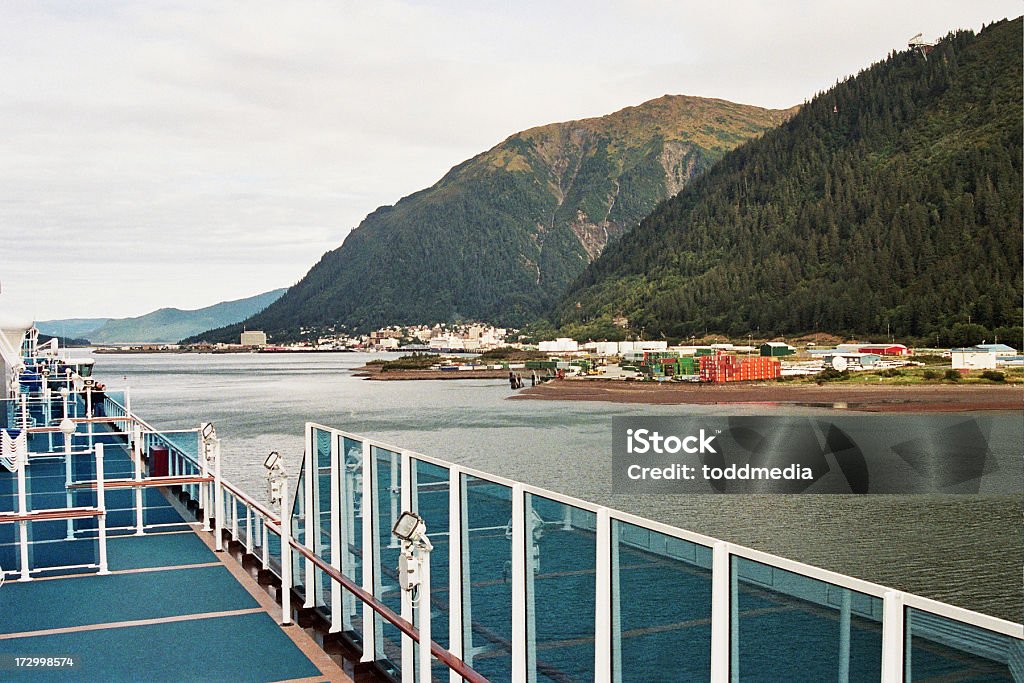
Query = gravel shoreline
x=889 y=398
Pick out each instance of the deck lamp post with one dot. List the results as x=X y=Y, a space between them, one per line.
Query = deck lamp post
x=67 y=428
x=277 y=490
x=211 y=449
x=414 y=576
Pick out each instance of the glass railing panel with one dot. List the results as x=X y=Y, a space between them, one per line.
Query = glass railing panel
x=430 y=501
x=661 y=606
x=351 y=482
x=387 y=501
x=561 y=560
x=298 y=532
x=487 y=577
x=244 y=519
x=274 y=551
x=351 y=527
x=801 y=628
x=321 y=522
x=948 y=650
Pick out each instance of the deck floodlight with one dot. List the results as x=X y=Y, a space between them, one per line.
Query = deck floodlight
x=64 y=391
x=67 y=426
x=276 y=478
x=271 y=462
x=410 y=527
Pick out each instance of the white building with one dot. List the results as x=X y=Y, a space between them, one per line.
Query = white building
x=973 y=358
x=560 y=345
x=254 y=338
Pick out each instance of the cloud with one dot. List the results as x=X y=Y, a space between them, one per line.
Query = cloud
x=225 y=146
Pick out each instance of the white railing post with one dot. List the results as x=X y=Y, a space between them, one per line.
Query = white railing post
x=47 y=414
x=426 y=673
x=101 y=503
x=845 y=607
x=21 y=460
x=404 y=499
x=312 y=525
x=205 y=490
x=616 y=606
x=603 y=598
x=128 y=422
x=892 y=637
x=67 y=478
x=137 y=457
x=369 y=508
x=286 y=555
x=720 y=612
x=337 y=549
x=248 y=529
x=265 y=539
x=88 y=413
x=519 y=560
x=218 y=504
x=455 y=587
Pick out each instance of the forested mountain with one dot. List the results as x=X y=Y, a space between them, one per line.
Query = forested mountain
x=892 y=200
x=165 y=325
x=501 y=235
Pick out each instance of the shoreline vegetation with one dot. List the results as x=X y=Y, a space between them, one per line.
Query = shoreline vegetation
x=855 y=397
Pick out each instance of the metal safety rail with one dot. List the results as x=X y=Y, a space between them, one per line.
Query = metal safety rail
x=227 y=510
x=352 y=488
x=256 y=535
x=69 y=435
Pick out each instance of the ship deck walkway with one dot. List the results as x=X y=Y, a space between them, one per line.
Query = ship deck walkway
x=171 y=608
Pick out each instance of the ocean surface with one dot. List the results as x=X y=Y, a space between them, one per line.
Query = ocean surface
x=962 y=549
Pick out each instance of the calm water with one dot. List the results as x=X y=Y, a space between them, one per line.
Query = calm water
x=965 y=550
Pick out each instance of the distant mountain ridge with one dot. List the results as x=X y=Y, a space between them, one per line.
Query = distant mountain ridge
x=890 y=204
x=165 y=325
x=502 y=234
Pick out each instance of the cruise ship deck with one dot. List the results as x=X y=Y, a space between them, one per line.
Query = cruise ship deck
x=167 y=608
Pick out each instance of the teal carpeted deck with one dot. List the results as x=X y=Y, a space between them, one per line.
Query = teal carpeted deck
x=249 y=647
x=198 y=623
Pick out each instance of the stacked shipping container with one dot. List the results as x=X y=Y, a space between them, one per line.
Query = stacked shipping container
x=724 y=368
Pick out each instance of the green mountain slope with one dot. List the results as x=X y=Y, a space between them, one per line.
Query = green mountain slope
x=501 y=235
x=168 y=325
x=891 y=201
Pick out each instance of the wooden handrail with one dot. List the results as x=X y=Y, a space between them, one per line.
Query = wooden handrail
x=442 y=655
x=140 y=483
x=43 y=515
x=244 y=497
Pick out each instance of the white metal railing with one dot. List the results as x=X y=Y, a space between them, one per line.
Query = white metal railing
x=891 y=615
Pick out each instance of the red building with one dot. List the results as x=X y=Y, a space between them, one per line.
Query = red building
x=723 y=368
x=886 y=349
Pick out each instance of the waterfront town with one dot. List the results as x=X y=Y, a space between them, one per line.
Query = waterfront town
x=472 y=348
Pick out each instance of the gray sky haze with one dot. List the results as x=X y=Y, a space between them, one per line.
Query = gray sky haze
x=180 y=154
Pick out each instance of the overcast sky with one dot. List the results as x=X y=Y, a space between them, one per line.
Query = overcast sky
x=180 y=154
